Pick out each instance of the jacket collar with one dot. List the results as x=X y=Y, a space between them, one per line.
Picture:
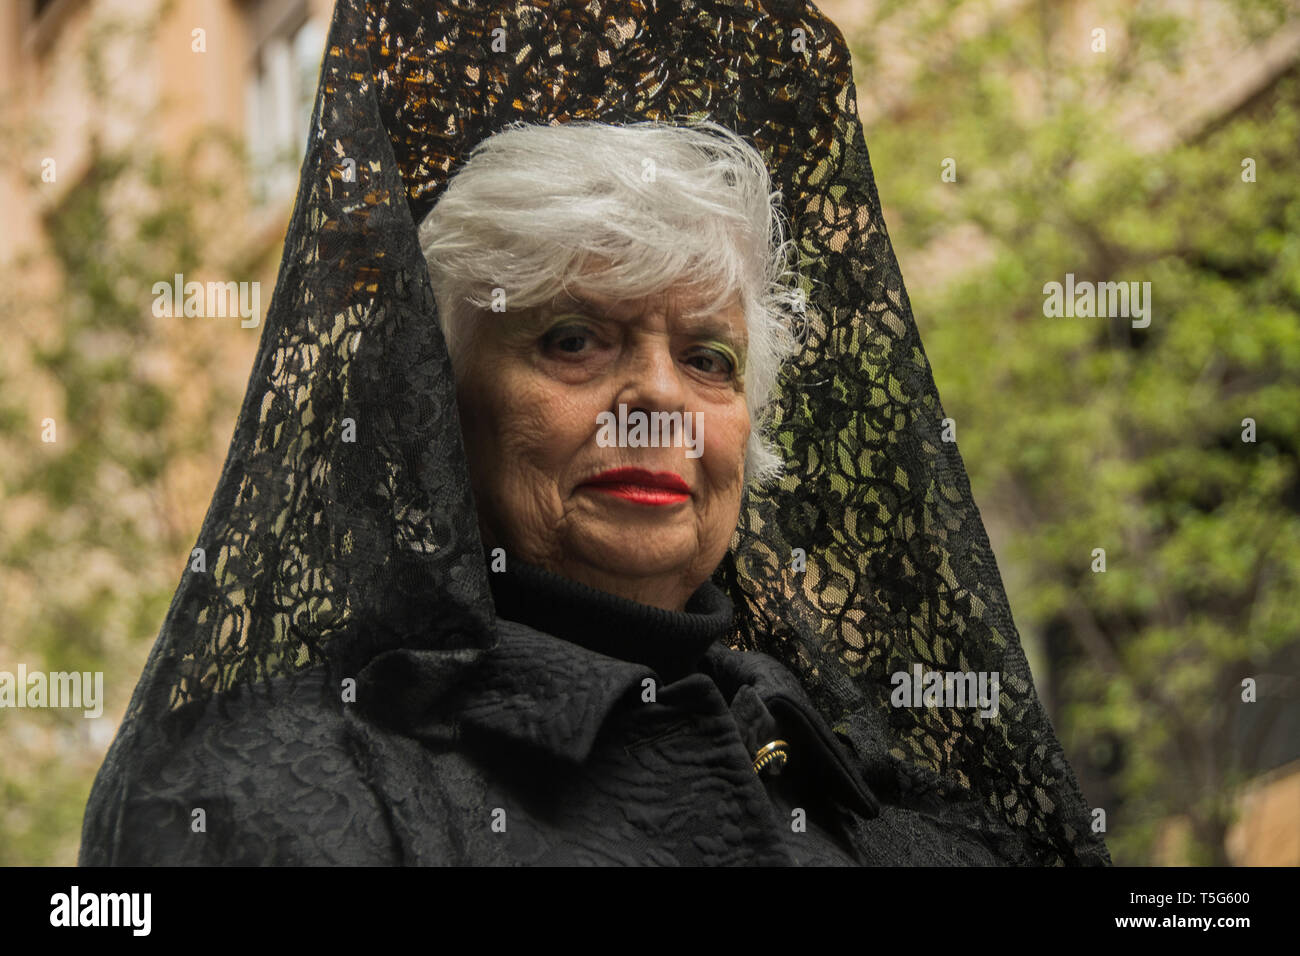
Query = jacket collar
x=553 y=694
x=553 y=697
x=546 y=693
x=529 y=688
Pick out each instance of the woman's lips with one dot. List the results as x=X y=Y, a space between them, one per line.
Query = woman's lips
x=641 y=486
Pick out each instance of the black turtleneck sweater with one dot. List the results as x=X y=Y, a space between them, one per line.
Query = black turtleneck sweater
x=674 y=646
x=671 y=643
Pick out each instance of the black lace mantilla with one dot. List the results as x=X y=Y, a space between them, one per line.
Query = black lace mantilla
x=343 y=525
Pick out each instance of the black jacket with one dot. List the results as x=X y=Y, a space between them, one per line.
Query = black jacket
x=543 y=750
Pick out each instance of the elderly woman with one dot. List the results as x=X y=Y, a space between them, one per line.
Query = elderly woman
x=637 y=271
x=581 y=270
x=504 y=567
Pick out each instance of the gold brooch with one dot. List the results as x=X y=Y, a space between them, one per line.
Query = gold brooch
x=772 y=754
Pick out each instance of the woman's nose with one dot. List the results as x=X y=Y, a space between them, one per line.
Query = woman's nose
x=651 y=380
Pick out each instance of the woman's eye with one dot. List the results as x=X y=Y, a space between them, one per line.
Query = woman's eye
x=712 y=361
x=570 y=339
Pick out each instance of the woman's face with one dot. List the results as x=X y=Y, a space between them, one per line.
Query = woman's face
x=540 y=394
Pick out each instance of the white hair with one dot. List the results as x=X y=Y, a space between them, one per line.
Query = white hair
x=535 y=205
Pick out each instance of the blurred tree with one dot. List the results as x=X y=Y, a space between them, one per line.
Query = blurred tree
x=1085 y=433
x=99 y=522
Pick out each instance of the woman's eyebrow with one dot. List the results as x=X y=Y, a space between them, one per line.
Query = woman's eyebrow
x=708 y=328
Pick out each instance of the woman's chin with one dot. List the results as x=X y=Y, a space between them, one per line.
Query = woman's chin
x=641 y=555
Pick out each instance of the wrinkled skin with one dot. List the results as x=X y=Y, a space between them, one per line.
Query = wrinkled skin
x=530 y=388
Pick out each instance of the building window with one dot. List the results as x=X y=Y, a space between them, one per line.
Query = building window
x=280 y=94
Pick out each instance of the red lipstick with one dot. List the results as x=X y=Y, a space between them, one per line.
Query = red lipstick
x=641 y=486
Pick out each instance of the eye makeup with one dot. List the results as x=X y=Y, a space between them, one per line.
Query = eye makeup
x=709 y=334
x=737 y=367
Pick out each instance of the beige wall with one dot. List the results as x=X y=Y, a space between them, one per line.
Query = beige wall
x=167 y=92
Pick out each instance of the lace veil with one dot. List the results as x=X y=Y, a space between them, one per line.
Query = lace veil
x=343 y=524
